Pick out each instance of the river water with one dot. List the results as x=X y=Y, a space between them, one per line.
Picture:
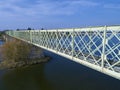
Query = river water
x=1 y=42
x=57 y=74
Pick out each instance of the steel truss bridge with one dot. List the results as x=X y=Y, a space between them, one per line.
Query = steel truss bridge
x=94 y=47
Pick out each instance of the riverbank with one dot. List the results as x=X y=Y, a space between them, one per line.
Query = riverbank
x=36 y=56
x=10 y=64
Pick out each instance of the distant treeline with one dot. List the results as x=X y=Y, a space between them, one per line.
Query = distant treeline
x=29 y=29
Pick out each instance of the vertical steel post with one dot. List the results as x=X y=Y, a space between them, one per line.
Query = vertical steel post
x=73 y=43
x=39 y=37
x=104 y=46
x=14 y=33
x=56 y=40
x=46 y=39
x=33 y=36
x=30 y=35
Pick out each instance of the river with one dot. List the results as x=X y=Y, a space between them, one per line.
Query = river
x=57 y=74
x=1 y=42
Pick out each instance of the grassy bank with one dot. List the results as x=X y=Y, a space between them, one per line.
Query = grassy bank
x=16 y=53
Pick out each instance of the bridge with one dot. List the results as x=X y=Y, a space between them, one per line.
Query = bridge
x=95 y=47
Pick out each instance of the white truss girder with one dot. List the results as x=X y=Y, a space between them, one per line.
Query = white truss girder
x=95 y=47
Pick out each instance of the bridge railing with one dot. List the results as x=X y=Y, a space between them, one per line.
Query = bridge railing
x=95 y=47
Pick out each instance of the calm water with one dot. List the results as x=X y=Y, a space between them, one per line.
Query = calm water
x=58 y=74
x=1 y=42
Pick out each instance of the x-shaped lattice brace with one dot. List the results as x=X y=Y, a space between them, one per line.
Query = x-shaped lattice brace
x=99 y=46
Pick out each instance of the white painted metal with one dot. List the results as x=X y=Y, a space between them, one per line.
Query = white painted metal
x=94 y=47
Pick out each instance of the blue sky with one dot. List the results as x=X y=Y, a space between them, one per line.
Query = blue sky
x=51 y=14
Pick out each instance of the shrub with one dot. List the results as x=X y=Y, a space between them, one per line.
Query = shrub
x=16 y=51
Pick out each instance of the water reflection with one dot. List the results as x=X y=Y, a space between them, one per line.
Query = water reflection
x=29 y=78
